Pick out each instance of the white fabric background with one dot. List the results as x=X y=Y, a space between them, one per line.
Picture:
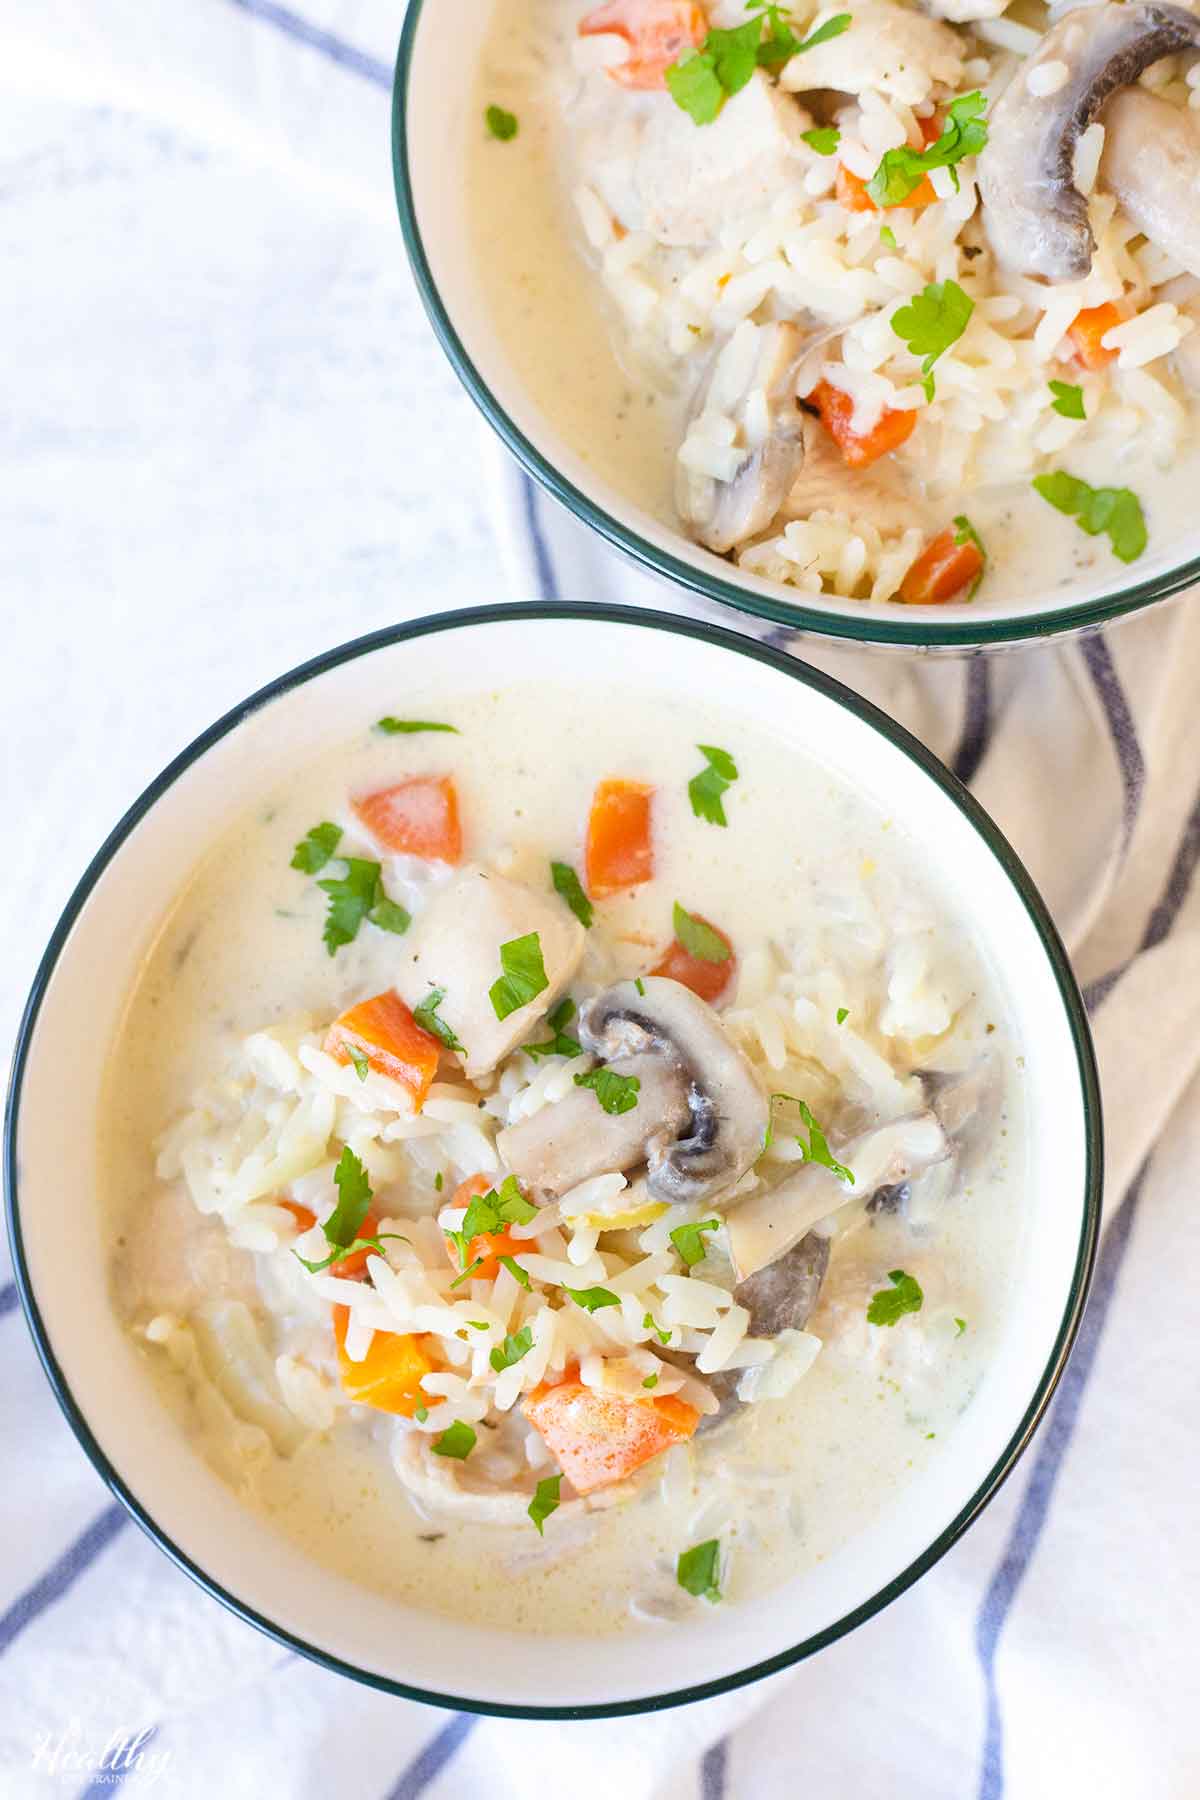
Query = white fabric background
x=229 y=441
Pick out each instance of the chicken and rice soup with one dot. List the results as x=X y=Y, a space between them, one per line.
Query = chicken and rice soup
x=563 y=1162
x=887 y=301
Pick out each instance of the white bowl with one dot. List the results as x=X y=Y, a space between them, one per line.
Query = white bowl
x=62 y=1259
x=434 y=118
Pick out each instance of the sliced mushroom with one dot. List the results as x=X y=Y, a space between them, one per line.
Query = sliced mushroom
x=781 y=1296
x=574 y=1138
x=1036 y=217
x=766 y=1226
x=1151 y=163
x=727 y=1108
x=753 y=385
x=886 y=49
x=455 y=945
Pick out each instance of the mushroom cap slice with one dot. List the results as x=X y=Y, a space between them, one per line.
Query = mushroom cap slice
x=1036 y=217
x=574 y=1138
x=727 y=1107
x=1151 y=163
x=781 y=1296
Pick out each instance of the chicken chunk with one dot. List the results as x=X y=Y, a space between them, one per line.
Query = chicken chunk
x=886 y=49
x=455 y=946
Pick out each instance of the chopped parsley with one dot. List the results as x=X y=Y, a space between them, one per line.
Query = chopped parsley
x=523 y=975
x=439 y=1182
x=698 y=937
x=616 y=1093
x=388 y=916
x=698 y=1570
x=566 y=882
x=516 y=1345
x=965 y=533
x=889 y=1305
x=887 y=237
x=545 y=1501
x=344 y=1223
x=593 y=1298
x=515 y=1270
x=488 y=1214
x=353 y=897
x=408 y=727
x=1117 y=511
x=316 y=847
x=651 y=1381
x=362 y=1067
x=932 y=321
x=421 y=1414
x=781 y=42
x=843 y=1013
x=469 y=1270
x=902 y=171
x=705 y=790
x=1068 y=399
x=689 y=1240
x=426 y=1016
x=640 y=985
x=817 y=1148
x=501 y=124
x=664 y=1337
x=561 y=1043
x=458 y=1441
x=824 y=139
x=962 y=1326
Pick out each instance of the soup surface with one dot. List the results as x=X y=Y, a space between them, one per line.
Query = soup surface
x=668 y=1306
x=818 y=331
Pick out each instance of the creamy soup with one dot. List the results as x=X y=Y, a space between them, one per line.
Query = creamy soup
x=821 y=331
x=658 y=1312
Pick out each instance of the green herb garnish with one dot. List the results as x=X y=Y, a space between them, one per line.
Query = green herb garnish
x=824 y=139
x=889 y=1305
x=1117 y=511
x=962 y=1326
x=458 y=1441
x=902 y=170
x=355 y=896
x=426 y=1016
x=516 y=1345
x=965 y=533
x=698 y=1570
x=488 y=1214
x=515 y=1270
x=409 y=727
x=1068 y=399
x=932 y=321
x=651 y=1381
x=316 y=847
x=342 y=1226
x=843 y=1013
x=706 y=789
x=640 y=985
x=467 y=1272
x=698 y=938
x=524 y=975
x=439 y=1182
x=703 y=79
x=664 y=1337
x=689 y=1240
x=593 y=1298
x=616 y=1093
x=421 y=1414
x=545 y=1501
x=887 y=237
x=362 y=1067
x=817 y=1148
x=561 y=1043
x=501 y=124
x=566 y=882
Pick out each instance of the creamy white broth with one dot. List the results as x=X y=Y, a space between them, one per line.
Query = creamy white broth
x=622 y=405
x=787 y=1481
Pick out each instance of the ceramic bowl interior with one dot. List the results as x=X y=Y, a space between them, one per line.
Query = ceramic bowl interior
x=62 y=1257
x=434 y=119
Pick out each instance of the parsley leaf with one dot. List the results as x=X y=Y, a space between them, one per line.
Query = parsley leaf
x=698 y=937
x=694 y=85
x=689 y=1240
x=593 y=1298
x=965 y=533
x=545 y=1501
x=902 y=171
x=781 y=42
x=1068 y=399
x=705 y=790
x=469 y=1270
x=698 y=1570
x=962 y=1326
x=616 y=1093
x=640 y=985
x=664 y=1337
x=824 y=139
x=1117 y=511
x=703 y=79
x=488 y=1214
x=344 y=1223
x=561 y=1044
x=426 y=1016
x=567 y=883
x=524 y=975
x=389 y=916
x=516 y=1345
x=421 y=1414
x=651 y=1381
x=843 y=1013
x=887 y=237
x=817 y=1149
x=501 y=124
x=889 y=1305
x=408 y=727
x=515 y=1270
x=932 y=321
x=362 y=1067
x=355 y=896
x=439 y=1182
x=458 y=1440
x=316 y=847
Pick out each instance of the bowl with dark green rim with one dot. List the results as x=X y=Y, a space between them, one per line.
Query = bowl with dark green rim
x=435 y=117
x=54 y=1178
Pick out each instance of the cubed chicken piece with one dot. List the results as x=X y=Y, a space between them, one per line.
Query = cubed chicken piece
x=886 y=49
x=455 y=946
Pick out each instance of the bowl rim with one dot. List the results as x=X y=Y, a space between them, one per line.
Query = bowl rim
x=911 y=628
x=900 y=739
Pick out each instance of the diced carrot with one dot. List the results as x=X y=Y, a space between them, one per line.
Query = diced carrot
x=304 y=1217
x=619 y=852
x=708 y=979
x=943 y=569
x=601 y=1438
x=1086 y=331
x=389 y=1375
x=384 y=1031
x=418 y=816
x=837 y=414
x=657 y=32
x=852 y=193
x=488 y=1246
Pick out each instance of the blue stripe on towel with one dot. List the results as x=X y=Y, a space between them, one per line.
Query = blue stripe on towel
x=714 y=1771
x=1167 y=908
x=1119 y=714
x=1034 y=1509
x=977 y=720
x=425 y=1769
x=335 y=48
x=62 y=1575
x=8 y=1299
